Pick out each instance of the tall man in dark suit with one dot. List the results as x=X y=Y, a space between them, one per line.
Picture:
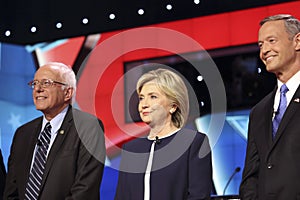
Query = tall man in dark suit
x=66 y=160
x=272 y=164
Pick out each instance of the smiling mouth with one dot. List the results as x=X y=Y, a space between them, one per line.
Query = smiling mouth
x=269 y=58
x=40 y=98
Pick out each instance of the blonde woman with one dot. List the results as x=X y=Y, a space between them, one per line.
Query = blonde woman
x=171 y=163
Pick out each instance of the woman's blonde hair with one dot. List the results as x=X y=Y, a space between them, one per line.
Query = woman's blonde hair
x=172 y=85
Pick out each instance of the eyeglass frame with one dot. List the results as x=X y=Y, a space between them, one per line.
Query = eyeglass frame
x=32 y=84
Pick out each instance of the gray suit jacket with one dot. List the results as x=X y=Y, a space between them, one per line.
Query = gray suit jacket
x=74 y=165
x=272 y=167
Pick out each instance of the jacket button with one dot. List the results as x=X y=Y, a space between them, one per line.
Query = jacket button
x=269 y=166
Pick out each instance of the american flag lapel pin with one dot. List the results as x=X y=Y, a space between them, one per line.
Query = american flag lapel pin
x=297 y=100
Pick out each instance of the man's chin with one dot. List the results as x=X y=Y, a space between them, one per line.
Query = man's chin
x=39 y=108
x=270 y=68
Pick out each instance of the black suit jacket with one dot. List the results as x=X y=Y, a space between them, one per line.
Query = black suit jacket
x=2 y=175
x=181 y=170
x=74 y=165
x=272 y=167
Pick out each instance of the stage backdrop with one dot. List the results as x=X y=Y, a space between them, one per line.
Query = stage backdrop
x=102 y=61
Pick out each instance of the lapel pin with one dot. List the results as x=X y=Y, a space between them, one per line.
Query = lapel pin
x=61 y=132
x=297 y=100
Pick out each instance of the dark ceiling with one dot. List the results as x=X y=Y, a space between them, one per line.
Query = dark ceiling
x=18 y=16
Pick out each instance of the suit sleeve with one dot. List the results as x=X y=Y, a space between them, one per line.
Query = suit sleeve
x=248 y=187
x=120 y=187
x=2 y=175
x=11 y=189
x=90 y=167
x=200 y=169
x=120 y=190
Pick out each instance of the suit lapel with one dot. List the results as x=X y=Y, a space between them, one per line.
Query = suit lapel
x=269 y=125
x=292 y=108
x=60 y=137
x=29 y=154
x=264 y=120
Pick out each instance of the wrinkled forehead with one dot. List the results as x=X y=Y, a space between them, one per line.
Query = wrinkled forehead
x=47 y=72
x=271 y=27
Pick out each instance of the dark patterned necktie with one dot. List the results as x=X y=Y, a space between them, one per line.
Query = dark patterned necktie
x=36 y=174
x=281 y=108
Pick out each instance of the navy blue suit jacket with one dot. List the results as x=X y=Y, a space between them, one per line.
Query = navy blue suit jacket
x=181 y=170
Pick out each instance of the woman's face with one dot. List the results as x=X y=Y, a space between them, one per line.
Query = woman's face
x=154 y=106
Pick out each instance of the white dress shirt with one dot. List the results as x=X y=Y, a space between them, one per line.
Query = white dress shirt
x=56 y=123
x=292 y=84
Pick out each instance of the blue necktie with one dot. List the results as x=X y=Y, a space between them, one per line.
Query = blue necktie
x=281 y=108
x=36 y=174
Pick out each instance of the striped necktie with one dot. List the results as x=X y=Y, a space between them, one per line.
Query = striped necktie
x=36 y=174
x=281 y=108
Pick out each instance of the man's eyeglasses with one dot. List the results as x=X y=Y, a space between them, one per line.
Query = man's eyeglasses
x=44 y=83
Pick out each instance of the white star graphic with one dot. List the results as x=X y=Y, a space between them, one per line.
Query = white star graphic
x=14 y=121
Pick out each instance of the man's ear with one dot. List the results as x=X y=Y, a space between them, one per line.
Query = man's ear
x=297 y=40
x=68 y=93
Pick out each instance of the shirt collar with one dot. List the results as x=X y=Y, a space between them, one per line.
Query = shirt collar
x=292 y=84
x=56 y=122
